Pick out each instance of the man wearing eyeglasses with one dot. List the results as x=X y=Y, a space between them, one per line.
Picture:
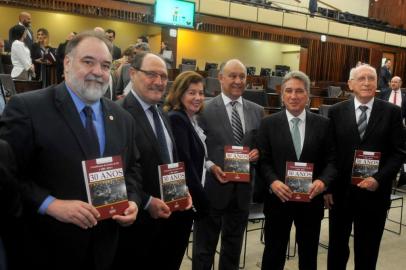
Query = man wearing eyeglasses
x=158 y=230
x=375 y=126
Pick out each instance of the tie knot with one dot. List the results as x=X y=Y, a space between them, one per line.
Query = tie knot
x=88 y=111
x=295 y=121
x=233 y=103
x=363 y=108
x=153 y=109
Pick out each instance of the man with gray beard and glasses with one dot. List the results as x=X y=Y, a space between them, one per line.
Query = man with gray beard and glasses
x=52 y=131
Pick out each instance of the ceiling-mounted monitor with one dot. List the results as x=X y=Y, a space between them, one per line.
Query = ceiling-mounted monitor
x=175 y=13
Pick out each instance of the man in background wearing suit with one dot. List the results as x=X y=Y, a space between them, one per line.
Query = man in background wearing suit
x=294 y=135
x=368 y=124
x=116 y=52
x=24 y=19
x=229 y=201
x=51 y=132
x=395 y=95
x=385 y=75
x=157 y=230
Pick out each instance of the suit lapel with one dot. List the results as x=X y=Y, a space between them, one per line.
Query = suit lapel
x=66 y=107
x=286 y=136
x=309 y=128
x=374 y=118
x=168 y=128
x=222 y=115
x=110 y=130
x=138 y=113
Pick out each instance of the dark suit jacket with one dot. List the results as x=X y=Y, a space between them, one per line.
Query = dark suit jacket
x=123 y=79
x=148 y=147
x=9 y=194
x=276 y=146
x=385 y=94
x=383 y=134
x=116 y=53
x=384 y=78
x=215 y=122
x=45 y=131
x=191 y=152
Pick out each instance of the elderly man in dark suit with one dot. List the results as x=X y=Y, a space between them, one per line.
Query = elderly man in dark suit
x=294 y=135
x=227 y=119
x=51 y=132
x=368 y=124
x=157 y=230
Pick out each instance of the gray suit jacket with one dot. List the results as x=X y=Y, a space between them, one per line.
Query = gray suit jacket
x=217 y=127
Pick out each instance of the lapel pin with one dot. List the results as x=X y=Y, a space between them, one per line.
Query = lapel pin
x=111 y=117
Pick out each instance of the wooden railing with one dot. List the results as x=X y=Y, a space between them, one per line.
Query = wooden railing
x=97 y=8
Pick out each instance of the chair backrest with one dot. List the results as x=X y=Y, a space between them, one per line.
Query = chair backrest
x=256 y=96
x=213 y=73
x=334 y=91
x=8 y=85
x=185 y=67
x=212 y=87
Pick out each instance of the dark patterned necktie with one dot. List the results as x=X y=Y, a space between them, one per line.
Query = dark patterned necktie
x=160 y=135
x=362 y=121
x=91 y=133
x=238 y=132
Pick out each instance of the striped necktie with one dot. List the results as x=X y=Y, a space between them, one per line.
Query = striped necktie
x=93 y=139
x=160 y=136
x=362 y=121
x=238 y=132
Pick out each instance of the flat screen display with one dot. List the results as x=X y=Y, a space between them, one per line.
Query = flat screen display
x=175 y=12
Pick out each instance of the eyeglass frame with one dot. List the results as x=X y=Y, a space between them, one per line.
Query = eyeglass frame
x=153 y=75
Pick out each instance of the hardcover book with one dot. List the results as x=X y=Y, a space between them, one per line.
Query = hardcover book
x=237 y=163
x=174 y=191
x=365 y=164
x=105 y=185
x=299 y=177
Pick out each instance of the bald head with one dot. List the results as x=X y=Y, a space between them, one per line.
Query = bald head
x=396 y=83
x=233 y=77
x=25 y=19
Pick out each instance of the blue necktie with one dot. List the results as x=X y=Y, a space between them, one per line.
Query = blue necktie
x=160 y=135
x=297 y=142
x=93 y=140
x=362 y=121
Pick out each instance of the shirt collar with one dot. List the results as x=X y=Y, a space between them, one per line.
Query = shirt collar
x=79 y=104
x=227 y=100
x=357 y=103
x=145 y=106
x=396 y=90
x=301 y=116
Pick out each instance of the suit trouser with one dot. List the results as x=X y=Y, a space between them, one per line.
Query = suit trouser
x=278 y=222
x=369 y=222
x=155 y=244
x=231 y=222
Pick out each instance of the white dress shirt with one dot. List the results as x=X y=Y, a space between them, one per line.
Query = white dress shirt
x=358 y=110
x=227 y=103
x=398 y=97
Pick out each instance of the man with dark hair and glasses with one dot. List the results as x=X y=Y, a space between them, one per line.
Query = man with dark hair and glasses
x=158 y=230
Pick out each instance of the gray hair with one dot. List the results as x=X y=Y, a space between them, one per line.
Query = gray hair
x=74 y=42
x=299 y=76
x=354 y=70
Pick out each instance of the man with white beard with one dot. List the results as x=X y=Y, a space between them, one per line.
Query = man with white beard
x=52 y=131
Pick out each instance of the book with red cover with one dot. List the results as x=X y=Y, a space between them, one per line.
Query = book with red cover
x=105 y=185
x=299 y=177
x=172 y=180
x=365 y=164
x=237 y=163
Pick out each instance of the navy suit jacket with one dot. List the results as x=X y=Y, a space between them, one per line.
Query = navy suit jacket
x=191 y=152
x=383 y=134
x=276 y=147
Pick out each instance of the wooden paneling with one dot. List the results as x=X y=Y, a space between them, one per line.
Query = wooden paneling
x=391 y=11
